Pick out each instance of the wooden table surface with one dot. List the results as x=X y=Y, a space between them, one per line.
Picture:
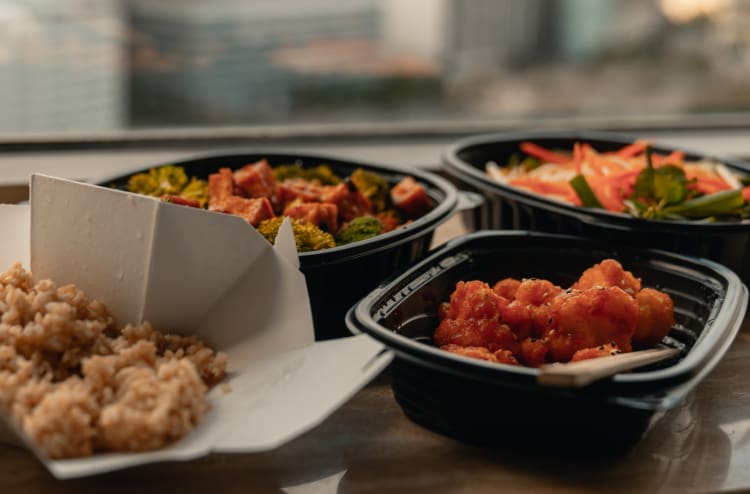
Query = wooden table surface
x=368 y=445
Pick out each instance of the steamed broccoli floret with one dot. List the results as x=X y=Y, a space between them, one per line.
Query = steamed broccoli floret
x=321 y=173
x=373 y=186
x=359 y=229
x=307 y=236
x=270 y=228
x=169 y=180
x=196 y=190
x=284 y=172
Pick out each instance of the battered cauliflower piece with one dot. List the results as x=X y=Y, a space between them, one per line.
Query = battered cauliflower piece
x=528 y=313
x=655 y=317
x=536 y=292
x=589 y=318
x=608 y=273
x=520 y=317
x=478 y=352
x=533 y=352
x=488 y=333
x=474 y=300
x=472 y=318
x=606 y=350
x=507 y=287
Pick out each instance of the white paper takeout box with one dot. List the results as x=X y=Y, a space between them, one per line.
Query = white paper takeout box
x=192 y=271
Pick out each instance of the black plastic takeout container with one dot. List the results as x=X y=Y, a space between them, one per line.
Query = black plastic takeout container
x=507 y=207
x=338 y=277
x=502 y=405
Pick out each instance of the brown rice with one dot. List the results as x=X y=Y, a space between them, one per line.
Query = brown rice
x=77 y=385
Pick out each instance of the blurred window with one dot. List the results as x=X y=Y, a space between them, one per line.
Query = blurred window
x=99 y=65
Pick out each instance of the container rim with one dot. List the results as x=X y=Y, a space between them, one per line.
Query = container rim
x=728 y=321
x=442 y=211
x=462 y=170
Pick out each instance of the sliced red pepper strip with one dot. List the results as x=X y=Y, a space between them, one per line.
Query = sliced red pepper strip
x=578 y=156
x=542 y=153
x=675 y=158
x=180 y=200
x=630 y=150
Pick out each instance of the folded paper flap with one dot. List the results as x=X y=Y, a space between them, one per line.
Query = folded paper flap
x=102 y=463
x=197 y=257
x=149 y=260
x=266 y=312
x=98 y=238
x=298 y=390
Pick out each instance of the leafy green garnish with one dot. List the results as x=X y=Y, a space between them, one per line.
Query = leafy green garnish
x=527 y=163
x=726 y=202
x=663 y=193
x=666 y=184
x=585 y=194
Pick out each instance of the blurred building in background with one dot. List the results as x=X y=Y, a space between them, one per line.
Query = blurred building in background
x=62 y=65
x=196 y=62
x=118 y=64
